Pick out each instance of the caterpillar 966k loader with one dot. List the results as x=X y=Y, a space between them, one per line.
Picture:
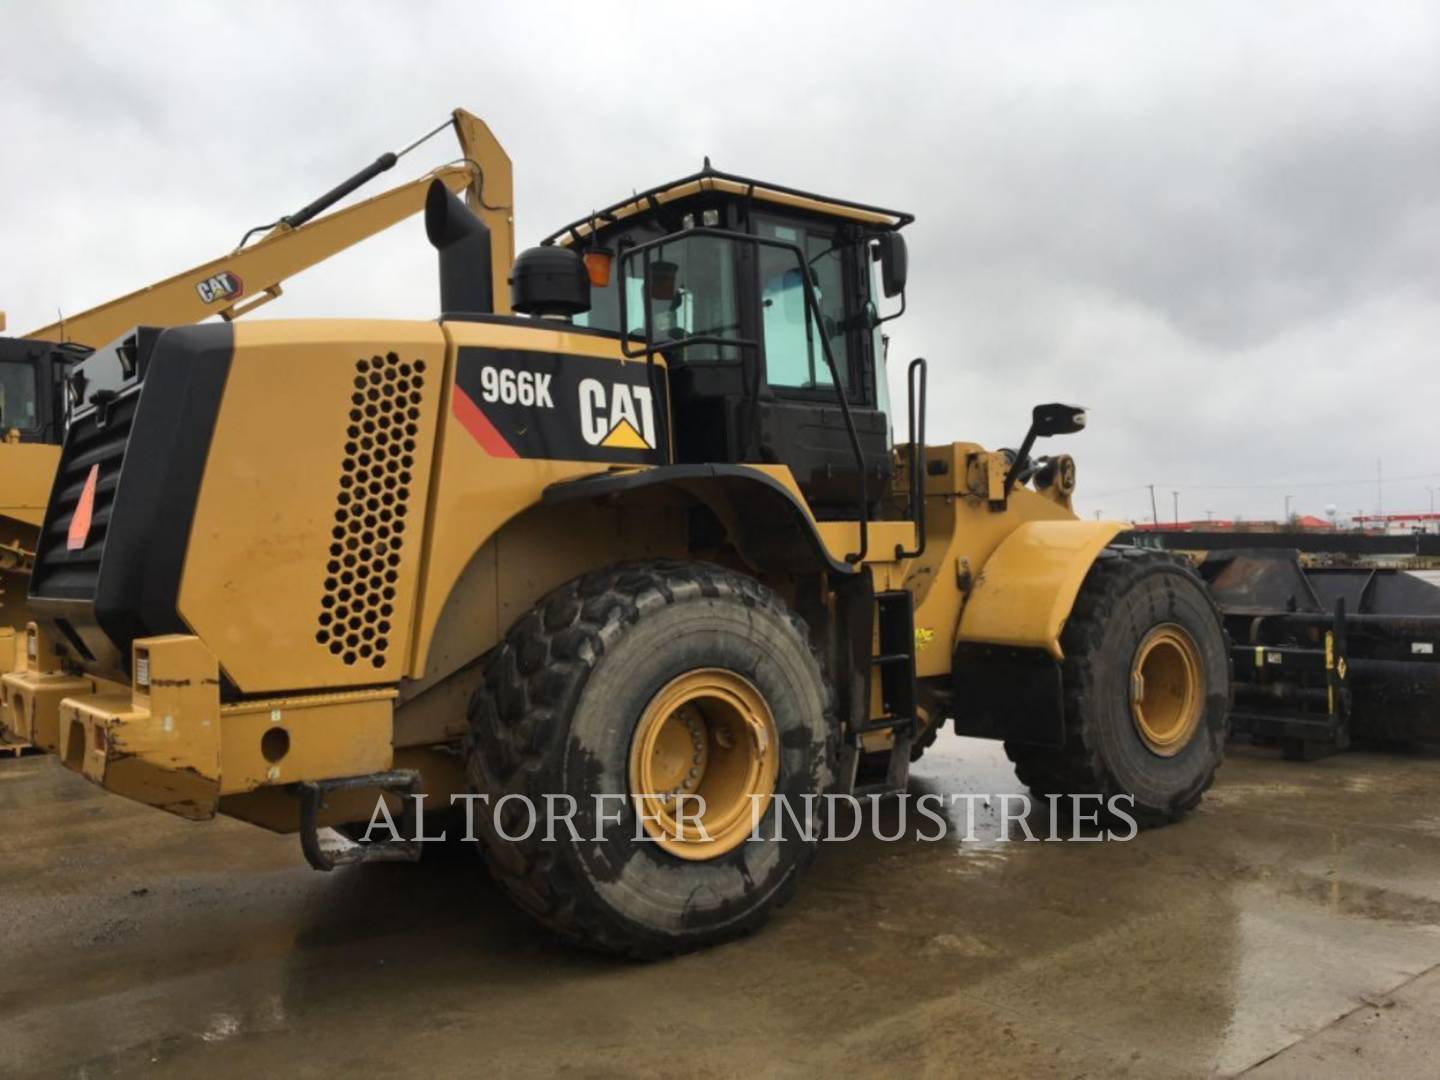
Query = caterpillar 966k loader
x=632 y=530
x=33 y=368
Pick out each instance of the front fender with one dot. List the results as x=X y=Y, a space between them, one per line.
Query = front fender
x=1025 y=590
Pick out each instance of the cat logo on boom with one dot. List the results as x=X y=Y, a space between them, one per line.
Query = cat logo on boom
x=618 y=416
x=221 y=286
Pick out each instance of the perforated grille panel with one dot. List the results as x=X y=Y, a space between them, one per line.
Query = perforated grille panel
x=376 y=475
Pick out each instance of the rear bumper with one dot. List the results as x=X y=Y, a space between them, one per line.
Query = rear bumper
x=30 y=705
x=168 y=742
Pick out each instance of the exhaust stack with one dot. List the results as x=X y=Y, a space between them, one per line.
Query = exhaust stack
x=463 y=241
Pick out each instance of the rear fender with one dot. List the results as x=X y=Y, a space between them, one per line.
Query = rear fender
x=769 y=525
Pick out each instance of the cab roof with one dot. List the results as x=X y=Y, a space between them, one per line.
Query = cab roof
x=710 y=180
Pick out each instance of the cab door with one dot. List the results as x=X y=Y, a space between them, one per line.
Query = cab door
x=801 y=422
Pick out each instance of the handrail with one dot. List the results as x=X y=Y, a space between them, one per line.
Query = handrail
x=917 y=458
x=654 y=196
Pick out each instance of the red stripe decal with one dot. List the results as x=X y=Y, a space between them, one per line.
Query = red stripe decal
x=84 y=513
x=479 y=425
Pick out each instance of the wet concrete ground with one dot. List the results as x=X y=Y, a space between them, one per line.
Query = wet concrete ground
x=1291 y=926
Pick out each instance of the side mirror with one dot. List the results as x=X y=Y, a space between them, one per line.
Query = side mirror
x=1057 y=419
x=664 y=277
x=894 y=263
x=1045 y=421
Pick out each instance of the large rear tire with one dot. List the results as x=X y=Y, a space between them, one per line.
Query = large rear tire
x=632 y=685
x=1147 y=691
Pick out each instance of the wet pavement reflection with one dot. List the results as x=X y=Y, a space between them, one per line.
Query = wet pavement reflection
x=137 y=943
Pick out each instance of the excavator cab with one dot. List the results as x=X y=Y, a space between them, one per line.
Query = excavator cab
x=760 y=300
x=32 y=402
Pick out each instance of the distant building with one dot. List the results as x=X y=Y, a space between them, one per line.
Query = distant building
x=1302 y=523
x=1373 y=524
x=1398 y=524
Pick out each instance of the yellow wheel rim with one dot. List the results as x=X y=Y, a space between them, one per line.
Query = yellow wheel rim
x=1167 y=692
x=707 y=733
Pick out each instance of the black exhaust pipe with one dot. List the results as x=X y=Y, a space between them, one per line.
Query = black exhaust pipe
x=463 y=241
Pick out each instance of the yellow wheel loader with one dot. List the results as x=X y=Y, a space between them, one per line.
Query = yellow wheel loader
x=623 y=559
x=33 y=368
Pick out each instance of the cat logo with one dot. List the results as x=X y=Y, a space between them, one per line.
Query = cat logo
x=618 y=416
x=221 y=286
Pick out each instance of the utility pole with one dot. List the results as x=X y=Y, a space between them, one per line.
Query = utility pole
x=1209 y=515
x=1287 y=508
x=1176 y=496
x=1379 y=489
x=1154 y=514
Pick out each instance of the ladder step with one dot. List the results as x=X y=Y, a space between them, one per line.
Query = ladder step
x=892 y=663
x=885 y=723
x=878 y=787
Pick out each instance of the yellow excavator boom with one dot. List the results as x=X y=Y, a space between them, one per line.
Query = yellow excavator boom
x=248 y=277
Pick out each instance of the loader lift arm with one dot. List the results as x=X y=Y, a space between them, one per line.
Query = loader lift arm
x=249 y=276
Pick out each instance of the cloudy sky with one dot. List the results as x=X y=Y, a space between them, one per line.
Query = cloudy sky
x=1216 y=225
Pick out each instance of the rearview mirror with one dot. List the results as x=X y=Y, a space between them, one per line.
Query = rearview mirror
x=1057 y=419
x=894 y=262
x=1045 y=421
x=663 y=278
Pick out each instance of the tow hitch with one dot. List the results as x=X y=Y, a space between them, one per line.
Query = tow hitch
x=400 y=782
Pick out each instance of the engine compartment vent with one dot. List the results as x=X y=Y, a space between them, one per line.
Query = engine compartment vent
x=376 y=478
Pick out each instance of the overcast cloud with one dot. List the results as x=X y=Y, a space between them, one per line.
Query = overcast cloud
x=1216 y=225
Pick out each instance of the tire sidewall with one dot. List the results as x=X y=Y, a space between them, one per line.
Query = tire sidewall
x=1165 y=595
x=659 y=893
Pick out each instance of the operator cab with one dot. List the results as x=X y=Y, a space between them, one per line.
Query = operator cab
x=754 y=294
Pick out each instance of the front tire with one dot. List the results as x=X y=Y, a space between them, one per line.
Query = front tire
x=1146 y=680
x=620 y=690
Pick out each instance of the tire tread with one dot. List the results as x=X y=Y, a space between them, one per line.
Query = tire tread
x=517 y=725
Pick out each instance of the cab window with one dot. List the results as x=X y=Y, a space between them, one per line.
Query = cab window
x=692 y=294
x=18 y=405
x=794 y=354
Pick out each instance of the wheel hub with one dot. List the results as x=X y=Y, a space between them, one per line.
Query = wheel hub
x=1167 y=691
x=707 y=734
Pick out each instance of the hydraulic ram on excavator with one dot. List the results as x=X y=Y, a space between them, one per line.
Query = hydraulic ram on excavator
x=252 y=274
